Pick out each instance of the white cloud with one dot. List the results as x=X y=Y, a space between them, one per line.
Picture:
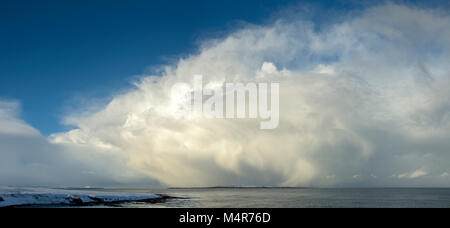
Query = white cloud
x=381 y=111
x=367 y=95
x=416 y=174
x=28 y=158
x=9 y=123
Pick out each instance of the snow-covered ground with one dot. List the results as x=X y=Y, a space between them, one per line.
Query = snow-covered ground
x=45 y=196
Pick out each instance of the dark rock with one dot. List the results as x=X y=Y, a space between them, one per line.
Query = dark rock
x=76 y=201
x=97 y=200
x=1 y=199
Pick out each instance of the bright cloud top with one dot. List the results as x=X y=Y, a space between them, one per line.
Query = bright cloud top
x=362 y=102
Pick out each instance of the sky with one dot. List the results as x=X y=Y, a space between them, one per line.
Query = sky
x=56 y=53
x=84 y=93
x=56 y=56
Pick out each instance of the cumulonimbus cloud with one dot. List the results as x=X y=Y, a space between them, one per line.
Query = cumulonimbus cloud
x=362 y=102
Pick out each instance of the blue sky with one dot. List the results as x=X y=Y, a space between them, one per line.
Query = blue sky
x=54 y=53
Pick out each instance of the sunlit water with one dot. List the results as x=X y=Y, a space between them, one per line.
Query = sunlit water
x=299 y=198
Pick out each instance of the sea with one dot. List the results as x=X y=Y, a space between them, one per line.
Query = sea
x=296 y=198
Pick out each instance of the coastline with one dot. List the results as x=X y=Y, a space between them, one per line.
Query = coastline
x=50 y=197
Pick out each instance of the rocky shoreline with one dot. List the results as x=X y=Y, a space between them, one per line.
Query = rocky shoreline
x=42 y=197
x=78 y=202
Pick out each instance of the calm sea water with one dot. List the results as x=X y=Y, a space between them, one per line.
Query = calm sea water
x=301 y=198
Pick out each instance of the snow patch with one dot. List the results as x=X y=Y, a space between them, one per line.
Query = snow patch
x=43 y=196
